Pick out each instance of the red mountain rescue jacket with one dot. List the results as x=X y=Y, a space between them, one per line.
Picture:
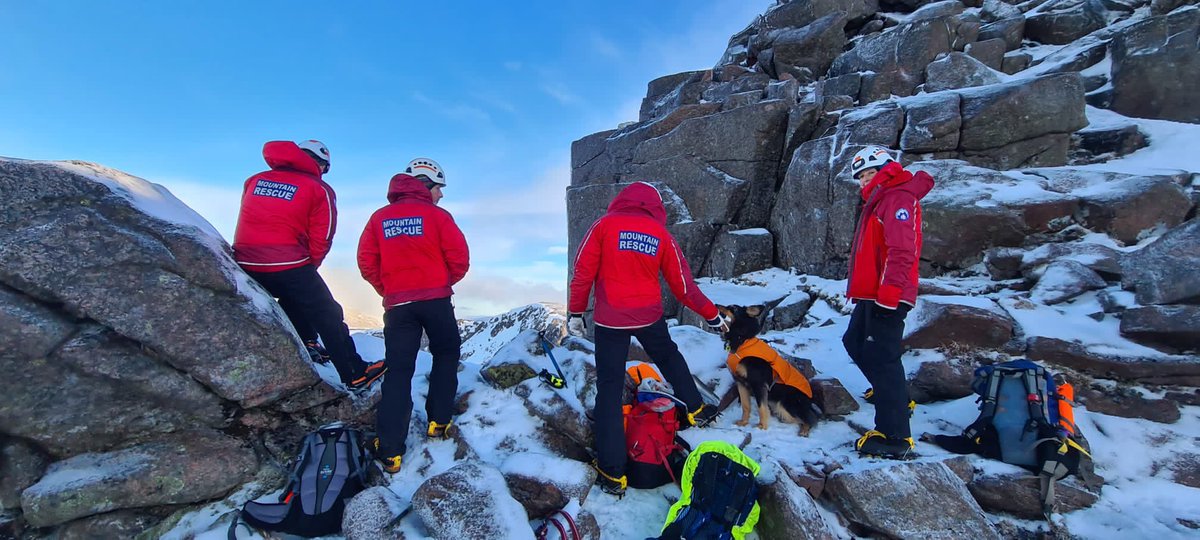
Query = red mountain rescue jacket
x=411 y=249
x=785 y=373
x=887 y=245
x=623 y=254
x=288 y=215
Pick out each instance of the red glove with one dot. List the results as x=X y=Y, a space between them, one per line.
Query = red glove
x=888 y=296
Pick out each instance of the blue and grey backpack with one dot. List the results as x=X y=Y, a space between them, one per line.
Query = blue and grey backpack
x=330 y=469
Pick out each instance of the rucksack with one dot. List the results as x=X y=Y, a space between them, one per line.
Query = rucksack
x=330 y=469
x=1026 y=419
x=720 y=495
x=655 y=454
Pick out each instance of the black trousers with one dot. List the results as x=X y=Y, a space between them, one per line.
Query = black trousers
x=303 y=294
x=612 y=351
x=873 y=342
x=402 y=328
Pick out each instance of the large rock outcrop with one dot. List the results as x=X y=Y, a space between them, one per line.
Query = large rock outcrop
x=1156 y=67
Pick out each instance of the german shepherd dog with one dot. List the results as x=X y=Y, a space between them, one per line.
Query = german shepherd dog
x=755 y=377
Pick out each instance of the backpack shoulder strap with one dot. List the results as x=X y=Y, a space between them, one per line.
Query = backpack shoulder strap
x=988 y=409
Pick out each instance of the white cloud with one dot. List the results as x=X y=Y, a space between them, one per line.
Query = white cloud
x=560 y=93
x=604 y=47
x=488 y=293
x=456 y=111
x=556 y=250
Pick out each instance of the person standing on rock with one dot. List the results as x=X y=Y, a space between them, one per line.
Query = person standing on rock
x=622 y=255
x=883 y=286
x=284 y=231
x=412 y=252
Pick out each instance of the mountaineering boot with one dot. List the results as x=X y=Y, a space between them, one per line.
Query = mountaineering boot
x=316 y=352
x=373 y=372
x=611 y=485
x=703 y=416
x=876 y=444
x=869 y=397
x=439 y=431
x=390 y=464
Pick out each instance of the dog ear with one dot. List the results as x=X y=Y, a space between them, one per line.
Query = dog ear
x=754 y=311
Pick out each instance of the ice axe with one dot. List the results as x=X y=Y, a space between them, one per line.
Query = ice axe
x=556 y=381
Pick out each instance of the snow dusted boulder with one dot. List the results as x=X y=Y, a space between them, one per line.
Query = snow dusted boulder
x=789 y=313
x=119 y=524
x=544 y=483
x=739 y=252
x=1065 y=21
x=1185 y=469
x=901 y=53
x=1018 y=494
x=1164 y=272
x=789 y=512
x=1129 y=208
x=832 y=397
x=126 y=254
x=669 y=93
x=1022 y=123
x=998 y=10
x=186 y=469
x=1175 y=370
x=470 y=501
x=990 y=52
x=937 y=381
x=1064 y=280
x=21 y=465
x=941 y=321
x=556 y=411
x=1010 y=29
x=1104 y=142
x=1172 y=326
x=958 y=70
x=1125 y=402
x=371 y=515
x=898 y=501
x=931 y=124
x=809 y=50
x=936 y=10
x=1101 y=259
x=1156 y=68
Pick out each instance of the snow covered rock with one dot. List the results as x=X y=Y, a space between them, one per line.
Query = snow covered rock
x=21 y=465
x=470 y=501
x=125 y=253
x=371 y=514
x=790 y=313
x=669 y=93
x=1063 y=280
x=899 y=501
x=832 y=397
x=1022 y=123
x=119 y=524
x=958 y=70
x=151 y=474
x=1129 y=208
x=809 y=50
x=556 y=411
x=990 y=52
x=544 y=483
x=1155 y=68
x=936 y=10
x=902 y=52
x=1018 y=494
x=997 y=10
x=1010 y=29
x=931 y=125
x=1185 y=469
x=1164 y=272
x=937 y=381
x=1100 y=258
x=789 y=512
x=1104 y=142
x=1172 y=326
x=941 y=321
x=1176 y=370
x=1128 y=403
x=739 y=252
x=1065 y=22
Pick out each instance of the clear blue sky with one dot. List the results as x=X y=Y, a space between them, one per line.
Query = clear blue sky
x=185 y=93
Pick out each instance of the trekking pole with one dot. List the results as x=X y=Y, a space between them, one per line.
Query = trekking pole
x=555 y=381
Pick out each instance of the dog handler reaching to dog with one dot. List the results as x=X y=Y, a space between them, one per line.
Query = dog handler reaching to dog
x=622 y=255
x=883 y=286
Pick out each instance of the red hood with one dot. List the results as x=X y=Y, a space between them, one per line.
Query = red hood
x=639 y=198
x=893 y=176
x=404 y=186
x=286 y=155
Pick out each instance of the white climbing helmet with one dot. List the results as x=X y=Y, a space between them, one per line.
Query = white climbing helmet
x=317 y=148
x=428 y=168
x=870 y=157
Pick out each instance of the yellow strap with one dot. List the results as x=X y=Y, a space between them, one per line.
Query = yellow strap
x=1076 y=446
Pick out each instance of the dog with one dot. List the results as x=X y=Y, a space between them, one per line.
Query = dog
x=761 y=372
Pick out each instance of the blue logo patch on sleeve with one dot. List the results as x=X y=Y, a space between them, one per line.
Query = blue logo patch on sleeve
x=639 y=242
x=902 y=214
x=278 y=190
x=408 y=226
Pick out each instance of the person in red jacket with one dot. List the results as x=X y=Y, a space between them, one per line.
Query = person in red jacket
x=622 y=255
x=412 y=252
x=883 y=286
x=284 y=230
